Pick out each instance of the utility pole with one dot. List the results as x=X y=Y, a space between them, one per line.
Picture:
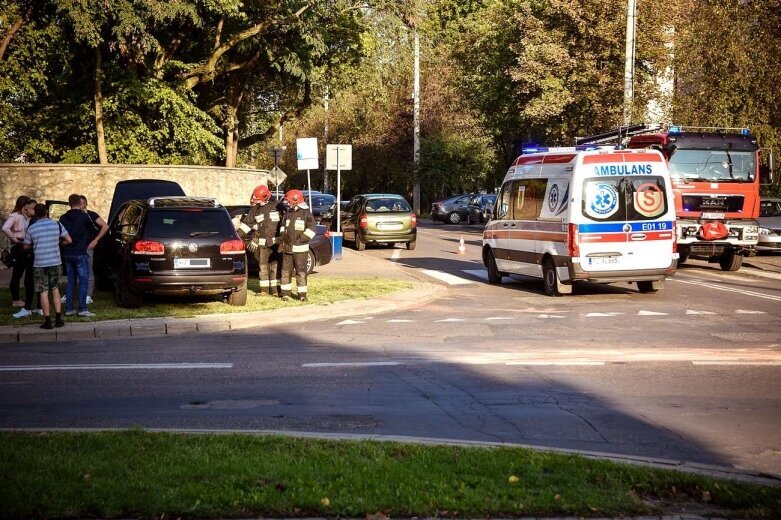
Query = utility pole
x=629 y=63
x=416 y=124
x=325 y=139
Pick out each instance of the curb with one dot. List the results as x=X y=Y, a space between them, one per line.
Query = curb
x=163 y=326
x=708 y=470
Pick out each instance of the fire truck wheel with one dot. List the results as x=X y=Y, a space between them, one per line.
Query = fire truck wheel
x=730 y=261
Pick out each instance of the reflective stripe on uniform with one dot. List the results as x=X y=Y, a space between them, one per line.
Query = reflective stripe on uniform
x=303 y=248
x=265 y=283
x=309 y=233
x=261 y=241
x=286 y=286
x=302 y=289
x=274 y=216
x=244 y=227
x=274 y=283
x=259 y=218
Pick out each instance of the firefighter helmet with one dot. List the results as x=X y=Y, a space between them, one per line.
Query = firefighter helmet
x=294 y=197
x=261 y=193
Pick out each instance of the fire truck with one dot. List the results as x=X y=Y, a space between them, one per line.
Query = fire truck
x=715 y=176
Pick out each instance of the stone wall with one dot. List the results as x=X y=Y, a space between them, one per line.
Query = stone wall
x=230 y=186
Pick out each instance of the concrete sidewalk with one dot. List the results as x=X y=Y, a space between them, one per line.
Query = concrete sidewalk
x=352 y=264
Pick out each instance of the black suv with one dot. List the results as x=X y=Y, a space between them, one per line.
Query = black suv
x=172 y=244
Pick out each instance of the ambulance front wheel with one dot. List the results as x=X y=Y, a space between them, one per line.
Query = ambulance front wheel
x=494 y=276
x=551 y=280
x=646 y=287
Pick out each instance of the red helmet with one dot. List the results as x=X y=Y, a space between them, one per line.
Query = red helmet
x=261 y=193
x=294 y=197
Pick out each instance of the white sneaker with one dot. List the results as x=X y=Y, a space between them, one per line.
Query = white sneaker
x=89 y=300
x=23 y=313
x=64 y=299
x=39 y=312
x=70 y=313
x=86 y=314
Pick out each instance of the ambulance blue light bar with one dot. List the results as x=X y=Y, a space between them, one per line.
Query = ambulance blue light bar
x=578 y=148
x=534 y=149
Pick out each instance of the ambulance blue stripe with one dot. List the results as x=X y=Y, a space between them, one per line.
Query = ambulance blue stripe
x=618 y=227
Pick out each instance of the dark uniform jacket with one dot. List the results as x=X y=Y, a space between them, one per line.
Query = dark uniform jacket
x=298 y=228
x=262 y=223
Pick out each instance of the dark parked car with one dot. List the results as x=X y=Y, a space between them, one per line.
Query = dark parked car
x=320 y=251
x=480 y=208
x=321 y=203
x=452 y=210
x=769 y=225
x=377 y=218
x=172 y=244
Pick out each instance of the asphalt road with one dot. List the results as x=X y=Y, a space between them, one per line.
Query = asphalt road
x=689 y=373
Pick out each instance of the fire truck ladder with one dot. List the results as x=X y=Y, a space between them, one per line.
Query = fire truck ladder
x=620 y=134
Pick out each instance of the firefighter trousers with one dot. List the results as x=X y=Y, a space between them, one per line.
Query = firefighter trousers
x=268 y=259
x=292 y=261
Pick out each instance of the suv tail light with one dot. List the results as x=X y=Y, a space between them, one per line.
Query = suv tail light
x=327 y=234
x=573 y=249
x=232 y=247
x=148 y=247
x=363 y=221
x=414 y=220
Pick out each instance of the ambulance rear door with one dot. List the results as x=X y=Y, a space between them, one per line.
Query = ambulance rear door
x=627 y=215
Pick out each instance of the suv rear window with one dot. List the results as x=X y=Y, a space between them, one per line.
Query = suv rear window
x=187 y=223
x=387 y=205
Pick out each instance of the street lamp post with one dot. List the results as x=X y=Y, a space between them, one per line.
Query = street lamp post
x=629 y=63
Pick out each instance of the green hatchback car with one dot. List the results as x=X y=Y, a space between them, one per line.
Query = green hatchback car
x=379 y=218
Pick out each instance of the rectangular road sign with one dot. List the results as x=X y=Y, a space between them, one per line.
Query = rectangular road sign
x=345 y=153
x=306 y=153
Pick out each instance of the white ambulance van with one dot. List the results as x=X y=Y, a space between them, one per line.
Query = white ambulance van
x=568 y=214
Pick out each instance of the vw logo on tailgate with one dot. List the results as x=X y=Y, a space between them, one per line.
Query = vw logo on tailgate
x=193 y=247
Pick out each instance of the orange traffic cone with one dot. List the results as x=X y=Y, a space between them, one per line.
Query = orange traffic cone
x=461 y=246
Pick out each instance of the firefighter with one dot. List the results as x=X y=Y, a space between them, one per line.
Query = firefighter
x=297 y=229
x=263 y=220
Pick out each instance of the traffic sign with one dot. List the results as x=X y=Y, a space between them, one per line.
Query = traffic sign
x=306 y=153
x=344 y=153
x=277 y=176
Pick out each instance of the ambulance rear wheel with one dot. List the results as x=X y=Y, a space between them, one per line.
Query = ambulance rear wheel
x=551 y=281
x=730 y=261
x=494 y=276
x=647 y=287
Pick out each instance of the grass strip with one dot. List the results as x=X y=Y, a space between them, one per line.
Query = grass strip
x=322 y=291
x=143 y=474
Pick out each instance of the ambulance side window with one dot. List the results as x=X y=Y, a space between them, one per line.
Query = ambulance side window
x=527 y=198
x=502 y=208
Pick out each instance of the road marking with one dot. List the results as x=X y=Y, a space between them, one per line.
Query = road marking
x=448 y=278
x=555 y=363
x=350 y=322
x=449 y=320
x=651 y=313
x=548 y=316
x=400 y=321
x=690 y=311
x=739 y=363
x=602 y=314
x=498 y=318
x=355 y=364
x=142 y=366
x=742 y=311
x=701 y=283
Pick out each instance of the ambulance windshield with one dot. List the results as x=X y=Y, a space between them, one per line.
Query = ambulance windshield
x=713 y=165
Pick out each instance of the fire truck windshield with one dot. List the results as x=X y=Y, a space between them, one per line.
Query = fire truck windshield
x=713 y=165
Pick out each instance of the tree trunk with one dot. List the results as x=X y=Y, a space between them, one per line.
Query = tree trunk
x=102 y=154
x=236 y=87
x=9 y=35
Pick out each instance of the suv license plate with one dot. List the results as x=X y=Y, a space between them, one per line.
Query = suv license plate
x=603 y=260
x=196 y=263
x=715 y=216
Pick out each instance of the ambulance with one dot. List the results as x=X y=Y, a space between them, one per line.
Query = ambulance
x=584 y=214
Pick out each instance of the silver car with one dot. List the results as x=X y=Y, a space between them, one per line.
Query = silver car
x=769 y=225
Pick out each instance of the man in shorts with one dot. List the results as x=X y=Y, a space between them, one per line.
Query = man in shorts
x=44 y=238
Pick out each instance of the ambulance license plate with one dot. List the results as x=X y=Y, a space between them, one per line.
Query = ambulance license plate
x=192 y=263
x=713 y=216
x=603 y=260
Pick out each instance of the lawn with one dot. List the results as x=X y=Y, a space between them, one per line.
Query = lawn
x=142 y=474
x=322 y=291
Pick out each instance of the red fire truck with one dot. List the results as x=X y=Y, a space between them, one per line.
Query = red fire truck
x=715 y=178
